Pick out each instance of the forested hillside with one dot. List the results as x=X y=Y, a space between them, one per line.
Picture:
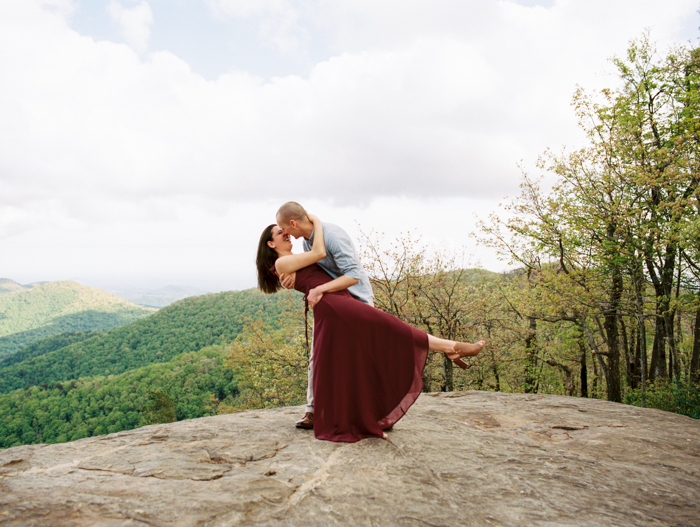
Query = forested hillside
x=168 y=366
x=51 y=308
x=46 y=345
x=10 y=286
x=64 y=411
x=185 y=326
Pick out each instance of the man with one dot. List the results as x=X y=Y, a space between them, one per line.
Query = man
x=341 y=261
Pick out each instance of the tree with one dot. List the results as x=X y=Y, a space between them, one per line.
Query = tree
x=617 y=219
x=434 y=293
x=270 y=363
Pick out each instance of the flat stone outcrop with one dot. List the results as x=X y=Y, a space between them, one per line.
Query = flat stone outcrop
x=465 y=458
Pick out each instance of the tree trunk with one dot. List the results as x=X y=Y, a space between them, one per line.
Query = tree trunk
x=633 y=359
x=568 y=379
x=494 y=364
x=643 y=371
x=531 y=357
x=597 y=360
x=613 y=377
x=641 y=351
x=625 y=349
x=657 y=369
x=695 y=358
x=663 y=288
x=584 y=367
x=596 y=377
x=611 y=331
x=448 y=384
x=673 y=362
x=427 y=379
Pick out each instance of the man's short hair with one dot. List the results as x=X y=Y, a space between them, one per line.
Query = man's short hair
x=291 y=211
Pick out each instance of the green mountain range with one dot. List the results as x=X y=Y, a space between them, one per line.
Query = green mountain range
x=185 y=326
x=34 y=312
x=65 y=411
x=10 y=286
x=84 y=383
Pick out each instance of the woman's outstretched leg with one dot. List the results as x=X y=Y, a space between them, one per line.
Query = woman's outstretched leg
x=453 y=349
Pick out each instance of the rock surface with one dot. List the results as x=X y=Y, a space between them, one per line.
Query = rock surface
x=465 y=458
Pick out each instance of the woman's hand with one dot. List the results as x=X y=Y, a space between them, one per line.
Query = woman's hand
x=287 y=280
x=313 y=219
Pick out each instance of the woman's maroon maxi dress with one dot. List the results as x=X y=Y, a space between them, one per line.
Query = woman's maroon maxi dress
x=367 y=364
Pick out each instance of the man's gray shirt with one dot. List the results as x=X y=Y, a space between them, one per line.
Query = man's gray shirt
x=341 y=259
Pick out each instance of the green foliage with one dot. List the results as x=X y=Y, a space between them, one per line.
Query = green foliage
x=160 y=408
x=47 y=345
x=611 y=248
x=271 y=362
x=50 y=408
x=51 y=308
x=185 y=326
x=56 y=412
x=434 y=293
x=681 y=397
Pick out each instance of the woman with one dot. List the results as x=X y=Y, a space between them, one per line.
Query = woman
x=367 y=364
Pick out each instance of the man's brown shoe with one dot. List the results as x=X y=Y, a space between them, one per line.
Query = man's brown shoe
x=306 y=422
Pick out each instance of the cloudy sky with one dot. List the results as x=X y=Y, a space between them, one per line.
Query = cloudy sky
x=151 y=141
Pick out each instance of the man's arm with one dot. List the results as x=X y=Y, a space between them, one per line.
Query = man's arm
x=340 y=249
x=338 y=284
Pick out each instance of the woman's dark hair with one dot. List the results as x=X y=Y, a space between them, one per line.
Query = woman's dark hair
x=267 y=280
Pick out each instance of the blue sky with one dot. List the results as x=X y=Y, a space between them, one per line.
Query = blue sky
x=209 y=41
x=213 y=42
x=151 y=141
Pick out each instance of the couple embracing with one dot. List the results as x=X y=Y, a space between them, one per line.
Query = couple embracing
x=365 y=367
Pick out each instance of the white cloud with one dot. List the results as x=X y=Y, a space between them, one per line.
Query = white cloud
x=437 y=113
x=135 y=23
x=279 y=25
x=246 y=8
x=62 y=7
x=422 y=103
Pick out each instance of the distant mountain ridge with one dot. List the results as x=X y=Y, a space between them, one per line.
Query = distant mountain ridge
x=10 y=286
x=31 y=313
x=185 y=326
x=157 y=298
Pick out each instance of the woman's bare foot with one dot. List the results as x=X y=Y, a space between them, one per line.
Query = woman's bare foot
x=464 y=349
x=384 y=436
